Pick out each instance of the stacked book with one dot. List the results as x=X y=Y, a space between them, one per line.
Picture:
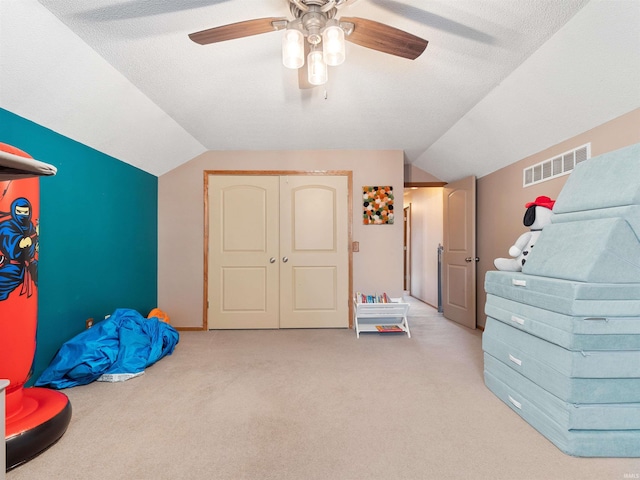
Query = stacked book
x=362 y=298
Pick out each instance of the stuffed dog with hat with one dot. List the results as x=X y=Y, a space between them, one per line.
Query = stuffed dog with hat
x=538 y=215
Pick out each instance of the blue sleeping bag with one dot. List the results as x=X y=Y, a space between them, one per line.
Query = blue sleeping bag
x=126 y=342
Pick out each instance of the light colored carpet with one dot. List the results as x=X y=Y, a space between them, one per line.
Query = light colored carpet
x=310 y=404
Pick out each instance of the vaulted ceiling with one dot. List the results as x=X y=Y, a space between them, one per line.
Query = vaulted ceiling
x=499 y=80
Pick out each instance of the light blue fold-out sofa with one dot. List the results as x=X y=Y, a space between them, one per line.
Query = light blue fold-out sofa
x=562 y=338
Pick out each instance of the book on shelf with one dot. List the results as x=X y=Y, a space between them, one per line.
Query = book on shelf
x=389 y=328
x=382 y=298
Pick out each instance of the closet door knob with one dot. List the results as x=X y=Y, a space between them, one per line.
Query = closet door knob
x=272 y=260
x=285 y=259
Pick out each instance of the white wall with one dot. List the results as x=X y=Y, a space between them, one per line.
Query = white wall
x=378 y=267
x=426 y=234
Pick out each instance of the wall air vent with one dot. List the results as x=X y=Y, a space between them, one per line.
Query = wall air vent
x=563 y=164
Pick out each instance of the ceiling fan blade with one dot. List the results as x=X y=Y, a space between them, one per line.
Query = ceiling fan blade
x=384 y=38
x=142 y=8
x=236 y=30
x=434 y=21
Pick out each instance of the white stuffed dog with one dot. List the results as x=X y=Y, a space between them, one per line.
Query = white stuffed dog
x=538 y=215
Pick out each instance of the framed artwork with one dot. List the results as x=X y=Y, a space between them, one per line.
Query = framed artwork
x=377 y=203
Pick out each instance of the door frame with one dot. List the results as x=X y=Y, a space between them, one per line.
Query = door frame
x=407 y=247
x=324 y=173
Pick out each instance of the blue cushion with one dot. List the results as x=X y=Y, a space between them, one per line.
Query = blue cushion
x=565 y=296
x=569 y=389
x=608 y=180
x=604 y=250
x=579 y=364
x=570 y=416
x=570 y=332
x=630 y=213
x=581 y=443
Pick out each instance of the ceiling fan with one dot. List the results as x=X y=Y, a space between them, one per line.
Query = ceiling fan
x=316 y=33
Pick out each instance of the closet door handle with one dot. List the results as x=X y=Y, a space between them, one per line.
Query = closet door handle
x=272 y=260
x=285 y=259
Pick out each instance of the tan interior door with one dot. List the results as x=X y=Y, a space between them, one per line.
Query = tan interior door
x=314 y=268
x=278 y=251
x=243 y=270
x=459 y=255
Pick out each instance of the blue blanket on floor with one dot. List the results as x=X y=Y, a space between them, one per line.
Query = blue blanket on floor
x=126 y=342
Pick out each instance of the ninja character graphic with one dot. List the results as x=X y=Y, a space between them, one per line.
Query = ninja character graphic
x=18 y=249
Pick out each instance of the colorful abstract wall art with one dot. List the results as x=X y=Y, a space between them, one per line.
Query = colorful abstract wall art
x=377 y=205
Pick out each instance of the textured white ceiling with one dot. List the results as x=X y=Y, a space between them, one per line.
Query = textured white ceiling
x=123 y=77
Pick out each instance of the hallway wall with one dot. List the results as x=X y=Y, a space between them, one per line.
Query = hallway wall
x=426 y=234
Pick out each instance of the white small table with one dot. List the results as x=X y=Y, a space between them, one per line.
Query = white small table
x=393 y=313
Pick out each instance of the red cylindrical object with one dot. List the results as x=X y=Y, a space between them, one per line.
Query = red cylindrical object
x=19 y=214
x=35 y=417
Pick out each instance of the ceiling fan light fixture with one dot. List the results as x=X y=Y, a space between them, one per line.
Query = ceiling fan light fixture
x=333 y=45
x=293 y=48
x=316 y=28
x=317 y=70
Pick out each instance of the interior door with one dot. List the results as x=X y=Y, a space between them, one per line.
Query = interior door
x=278 y=251
x=459 y=254
x=243 y=270
x=314 y=269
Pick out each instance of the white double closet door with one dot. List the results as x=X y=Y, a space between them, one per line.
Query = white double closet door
x=278 y=253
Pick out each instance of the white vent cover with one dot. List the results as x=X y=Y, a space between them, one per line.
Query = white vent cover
x=555 y=167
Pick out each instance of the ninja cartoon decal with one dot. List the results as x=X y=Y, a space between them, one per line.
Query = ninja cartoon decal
x=18 y=249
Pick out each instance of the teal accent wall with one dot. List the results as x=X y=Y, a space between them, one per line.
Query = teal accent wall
x=98 y=235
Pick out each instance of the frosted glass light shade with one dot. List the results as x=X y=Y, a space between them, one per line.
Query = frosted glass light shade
x=317 y=69
x=293 y=49
x=333 y=45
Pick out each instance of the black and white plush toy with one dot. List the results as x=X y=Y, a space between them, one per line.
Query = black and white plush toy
x=538 y=215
